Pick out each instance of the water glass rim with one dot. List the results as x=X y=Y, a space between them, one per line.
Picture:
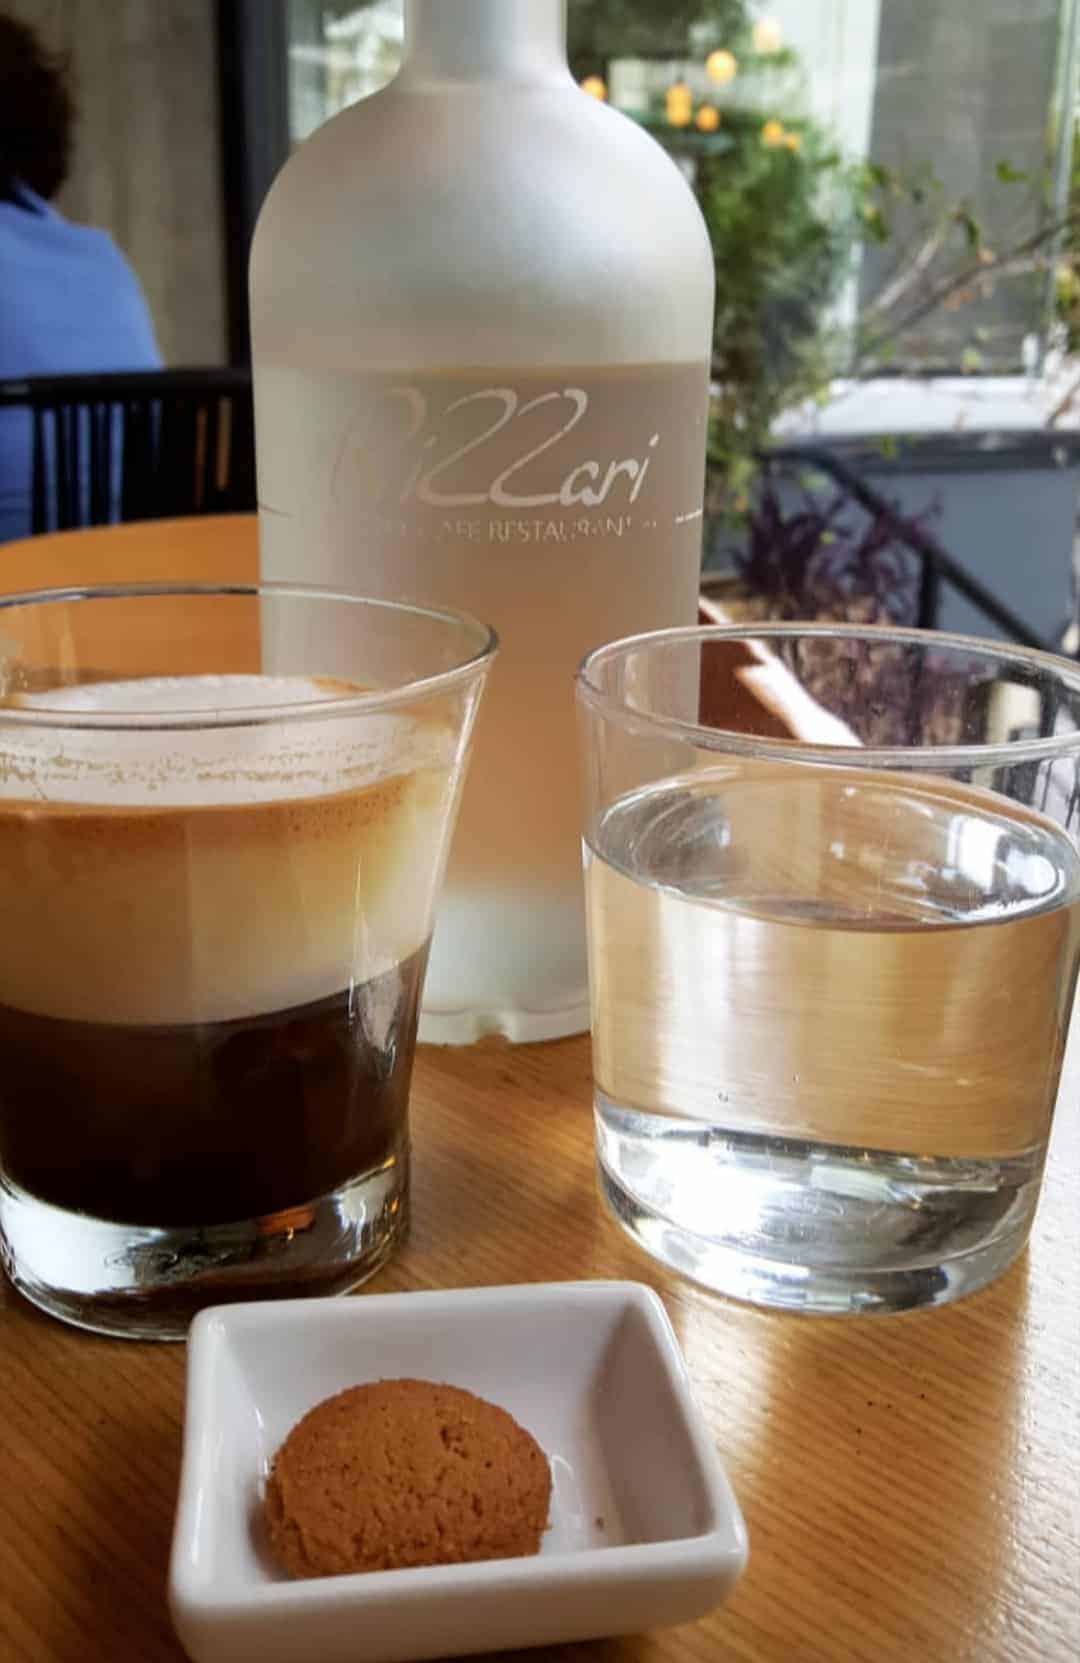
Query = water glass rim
x=1044 y=666
x=483 y=644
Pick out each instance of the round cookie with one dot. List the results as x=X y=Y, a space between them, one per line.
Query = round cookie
x=405 y=1472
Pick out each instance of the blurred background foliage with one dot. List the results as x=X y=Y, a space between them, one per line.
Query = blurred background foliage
x=790 y=217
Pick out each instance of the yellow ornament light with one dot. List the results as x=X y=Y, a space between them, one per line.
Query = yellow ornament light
x=773 y=135
x=595 y=86
x=767 y=35
x=679 y=104
x=721 y=66
x=707 y=119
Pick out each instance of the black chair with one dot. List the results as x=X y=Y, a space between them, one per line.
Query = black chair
x=140 y=446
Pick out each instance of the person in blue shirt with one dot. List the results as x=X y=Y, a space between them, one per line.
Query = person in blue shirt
x=69 y=301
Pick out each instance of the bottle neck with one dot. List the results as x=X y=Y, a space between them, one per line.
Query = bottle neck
x=484 y=40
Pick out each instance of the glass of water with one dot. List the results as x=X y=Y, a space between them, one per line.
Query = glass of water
x=833 y=896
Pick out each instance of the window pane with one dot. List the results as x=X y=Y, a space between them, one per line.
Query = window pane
x=338 y=52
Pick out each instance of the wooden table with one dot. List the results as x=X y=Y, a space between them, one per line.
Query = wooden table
x=211 y=548
x=911 y=1484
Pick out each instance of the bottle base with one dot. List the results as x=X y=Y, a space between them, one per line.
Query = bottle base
x=138 y=1282
x=519 y=1027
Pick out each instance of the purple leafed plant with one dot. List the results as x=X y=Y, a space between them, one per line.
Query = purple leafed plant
x=809 y=554
x=818 y=556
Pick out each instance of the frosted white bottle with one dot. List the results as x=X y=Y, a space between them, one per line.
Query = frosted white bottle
x=481 y=312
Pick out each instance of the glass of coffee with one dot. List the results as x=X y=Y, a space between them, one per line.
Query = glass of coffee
x=224 y=816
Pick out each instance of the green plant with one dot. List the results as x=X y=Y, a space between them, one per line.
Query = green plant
x=1067 y=267
x=782 y=249
x=943 y=264
x=789 y=217
x=788 y=225
x=599 y=30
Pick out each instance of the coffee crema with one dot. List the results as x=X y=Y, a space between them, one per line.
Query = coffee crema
x=201 y=875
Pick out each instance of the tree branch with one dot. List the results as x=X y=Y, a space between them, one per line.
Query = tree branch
x=965 y=278
x=898 y=287
x=1064 y=405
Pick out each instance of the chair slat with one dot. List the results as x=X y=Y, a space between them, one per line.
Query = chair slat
x=137 y=446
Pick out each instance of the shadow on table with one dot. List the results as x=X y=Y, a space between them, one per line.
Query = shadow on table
x=636 y=1646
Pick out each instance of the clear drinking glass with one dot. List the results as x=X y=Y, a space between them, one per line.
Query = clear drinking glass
x=217 y=888
x=833 y=899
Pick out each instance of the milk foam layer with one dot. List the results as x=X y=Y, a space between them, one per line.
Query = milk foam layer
x=213 y=766
x=200 y=875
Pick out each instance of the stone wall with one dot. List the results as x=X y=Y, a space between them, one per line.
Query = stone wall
x=147 y=165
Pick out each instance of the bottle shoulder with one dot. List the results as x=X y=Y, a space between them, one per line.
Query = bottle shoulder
x=423 y=136
x=528 y=209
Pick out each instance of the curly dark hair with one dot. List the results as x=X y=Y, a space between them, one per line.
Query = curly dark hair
x=37 y=111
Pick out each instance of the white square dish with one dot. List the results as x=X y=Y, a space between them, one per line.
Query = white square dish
x=644 y=1532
